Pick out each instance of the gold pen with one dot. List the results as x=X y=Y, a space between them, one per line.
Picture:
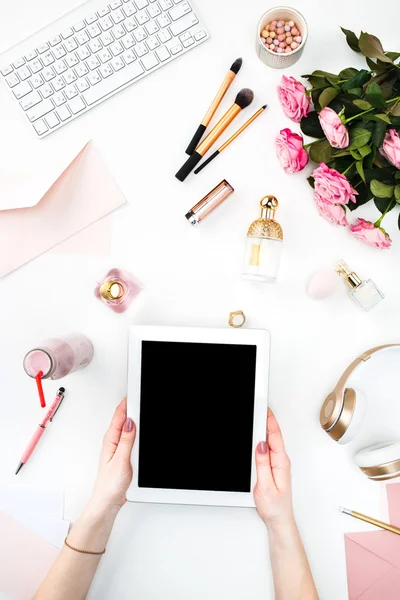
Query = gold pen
x=370 y=520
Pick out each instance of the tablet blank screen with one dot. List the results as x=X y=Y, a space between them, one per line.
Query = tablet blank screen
x=196 y=416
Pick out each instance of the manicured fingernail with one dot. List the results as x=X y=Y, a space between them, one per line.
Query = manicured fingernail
x=262 y=448
x=128 y=424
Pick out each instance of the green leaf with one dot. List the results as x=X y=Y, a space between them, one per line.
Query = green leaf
x=374 y=95
x=360 y=170
x=327 y=96
x=311 y=181
x=334 y=82
x=382 y=204
x=319 y=73
x=370 y=63
x=318 y=83
x=363 y=104
x=397 y=175
x=321 y=152
x=365 y=150
x=383 y=118
x=395 y=109
x=348 y=73
x=356 y=155
x=381 y=190
x=352 y=39
x=370 y=46
x=397 y=193
x=355 y=92
x=358 y=137
x=393 y=55
x=342 y=153
x=310 y=125
x=364 y=196
x=378 y=133
x=369 y=159
x=357 y=80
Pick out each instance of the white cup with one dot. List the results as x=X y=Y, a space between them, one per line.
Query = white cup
x=273 y=59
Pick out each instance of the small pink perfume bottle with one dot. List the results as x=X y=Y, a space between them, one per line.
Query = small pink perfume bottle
x=118 y=290
x=57 y=357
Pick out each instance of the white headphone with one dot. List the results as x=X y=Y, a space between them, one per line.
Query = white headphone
x=341 y=416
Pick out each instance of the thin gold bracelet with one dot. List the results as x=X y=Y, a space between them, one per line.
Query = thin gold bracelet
x=84 y=551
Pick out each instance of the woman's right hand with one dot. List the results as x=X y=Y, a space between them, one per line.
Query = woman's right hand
x=273 y=490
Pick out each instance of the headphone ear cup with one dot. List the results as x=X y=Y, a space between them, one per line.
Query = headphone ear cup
x=356 y=418
x=380 y=461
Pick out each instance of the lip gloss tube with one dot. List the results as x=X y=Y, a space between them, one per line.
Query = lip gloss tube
x=209 y=202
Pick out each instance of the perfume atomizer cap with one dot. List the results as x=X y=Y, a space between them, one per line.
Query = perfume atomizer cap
x=209 y=203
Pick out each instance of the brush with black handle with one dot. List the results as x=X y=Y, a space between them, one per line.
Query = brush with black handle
x=227 y=82
x=243 y=99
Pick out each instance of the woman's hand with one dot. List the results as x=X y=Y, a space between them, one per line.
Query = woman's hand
x=115 y=470
x=273 y=490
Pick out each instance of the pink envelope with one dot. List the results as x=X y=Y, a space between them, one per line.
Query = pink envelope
x=84 y=193
x=373 y=558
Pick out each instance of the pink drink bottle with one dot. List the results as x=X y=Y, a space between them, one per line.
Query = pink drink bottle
x=57 y=357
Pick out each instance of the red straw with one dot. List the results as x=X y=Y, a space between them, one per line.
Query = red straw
x=38 y=379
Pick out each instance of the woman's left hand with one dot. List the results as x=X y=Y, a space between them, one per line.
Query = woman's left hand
x=115 y=470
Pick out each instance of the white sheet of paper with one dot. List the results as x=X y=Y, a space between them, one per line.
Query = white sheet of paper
x=52 y=530
x=49 y=503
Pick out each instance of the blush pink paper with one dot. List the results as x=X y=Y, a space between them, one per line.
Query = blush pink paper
x=25 y=559
x=373 y=558
x=95 y=239
x=84 y=193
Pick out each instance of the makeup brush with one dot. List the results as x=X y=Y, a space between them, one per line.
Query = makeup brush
x=227 y=82
x=381 y=524
x=243 y=99
x=233 y=137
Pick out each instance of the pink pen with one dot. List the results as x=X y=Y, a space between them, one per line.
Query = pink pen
x=40 y=428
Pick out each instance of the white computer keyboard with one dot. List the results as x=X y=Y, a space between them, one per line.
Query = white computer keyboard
x=62 y=74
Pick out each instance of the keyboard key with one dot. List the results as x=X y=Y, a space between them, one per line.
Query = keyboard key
x=94 y=30
x=55 y=40
x=154 y=10
x=83 y=52
x=63 y=113
x=24 y=73
x=82 y=38
x=67 y=33
x=49 y=73
x=6 y=70
x=116 y=48
x=36 y=80
x=142 y=17
x=117 y=63
x=47 y=58
x=107 y=86
x=58 y=83
x=76 y=105
x=12 y=80
x=183 y=24
x=129 y=56
x=60 y=67
x=30 y=100
x=70 y=44
x=164 y=36
x=118 y=31
x=149 y=61
x=176 y=49
x=179 y=11
x=95 y=45
x=130 y=24
x=185 y=36
x=70 y=76
x=106 y=23
x=35 y=65
x=59 y=98
x=140 y=34
x=103 y=11
x=52 y=120
x=81 y=70
x=141 y=4
x=115 y=4
x=129 y=9
x=106 y=70
x=40 y=127
x=107 y=38
x=188 y=42
x=30 y=55
x=163 y=21
x=18 y=63
x=166 y=4
x=39 y=110
x=128 y=41
x=71 y=91
x=162 y=53
x=79 y=26
x=91 y=19
x=21 y=90
x=105 y=55
x=153 y=43
x=200 y=35
x=82 y=84
x=94 y=77
x=151 y=27
x=71 y=60
x=117 y=16
x=42 y=48
x=46 y=90
x=59 y=51
x=141 y=49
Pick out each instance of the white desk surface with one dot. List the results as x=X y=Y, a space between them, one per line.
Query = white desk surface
x=192 y=277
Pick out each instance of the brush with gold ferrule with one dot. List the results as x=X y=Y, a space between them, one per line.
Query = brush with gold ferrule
x=227 y=82
x=231 y=139
x=361 y=517
x=243 y=99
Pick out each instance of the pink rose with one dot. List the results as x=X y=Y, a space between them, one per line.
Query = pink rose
x=367 y=232
x=293 y=98
x=290 y=151
x=332 y=187
x=335 y=131
x=333 y=213
x=390 y=148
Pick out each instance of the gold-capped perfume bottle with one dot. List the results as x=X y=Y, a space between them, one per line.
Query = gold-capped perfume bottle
x=264 y=244
x=364 y=293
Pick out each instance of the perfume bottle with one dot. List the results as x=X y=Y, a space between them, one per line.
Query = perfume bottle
x=364 y=293
x=118 y=290
x=58 y=357
x=264 y=244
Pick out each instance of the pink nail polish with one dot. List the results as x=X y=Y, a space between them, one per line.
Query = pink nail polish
x=129 y=425
x=262 y=448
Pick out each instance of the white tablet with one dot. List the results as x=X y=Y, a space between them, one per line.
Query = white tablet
x=199 y=400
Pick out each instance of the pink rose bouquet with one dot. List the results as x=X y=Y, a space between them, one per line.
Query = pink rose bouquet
x=332 y=187
x=293 y=98
x=290 y=151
